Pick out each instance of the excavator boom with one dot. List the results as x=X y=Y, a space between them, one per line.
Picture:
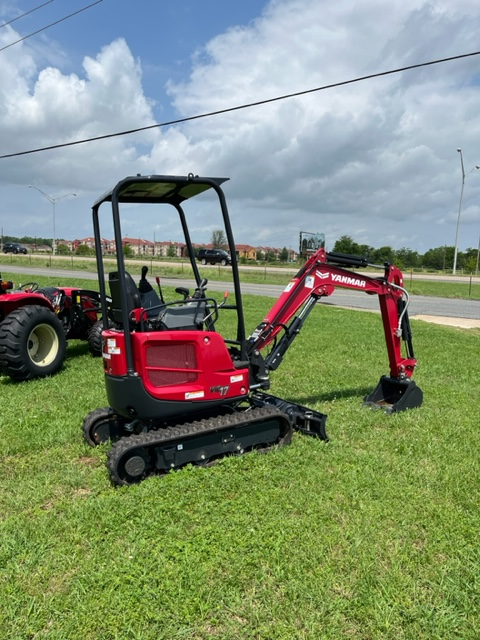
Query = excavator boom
x=319 y=277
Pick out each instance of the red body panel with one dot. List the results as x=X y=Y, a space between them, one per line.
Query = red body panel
x=11 y=301
x=178 y=365
x=61 y=304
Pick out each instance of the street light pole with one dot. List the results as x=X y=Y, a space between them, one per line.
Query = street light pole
x=464 y=175
x=454 y=270
x=478 y=256
x=52 y=201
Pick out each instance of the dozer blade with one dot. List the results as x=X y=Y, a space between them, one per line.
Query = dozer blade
x=308 y=421
x=394 y=395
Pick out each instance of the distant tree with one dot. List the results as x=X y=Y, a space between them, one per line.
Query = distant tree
x=406 y=258
x=219 y=239
x=128 y=251
x=84 y=250
x=470 y=257
x=461 y=260
x=35 y=241
x=440 y=258
x=62 y=249
x=471 y=253
x=470 y=264
x=382 y=255
x=260 y=255
x=284 y=255
x=346 y=244
x=171 y=252
x=365 y=251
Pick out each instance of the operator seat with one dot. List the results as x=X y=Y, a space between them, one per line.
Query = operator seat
x=133 y=296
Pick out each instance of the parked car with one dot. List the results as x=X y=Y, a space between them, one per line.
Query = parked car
x=214 y=256
x=14 y=247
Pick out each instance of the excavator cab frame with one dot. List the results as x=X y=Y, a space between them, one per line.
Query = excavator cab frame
x=142 y=381
x=172 y=190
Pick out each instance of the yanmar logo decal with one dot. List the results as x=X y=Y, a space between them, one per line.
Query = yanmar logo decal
x=336 y=277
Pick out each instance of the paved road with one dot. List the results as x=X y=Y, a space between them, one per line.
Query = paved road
x=419 y=305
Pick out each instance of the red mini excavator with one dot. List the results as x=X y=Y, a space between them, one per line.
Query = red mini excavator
x=178 y=391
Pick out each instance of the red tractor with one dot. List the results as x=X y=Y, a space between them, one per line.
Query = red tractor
x=179 y=392
x=35 y=324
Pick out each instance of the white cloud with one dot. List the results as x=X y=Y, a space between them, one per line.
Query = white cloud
x=52 y=108
x=375 y=160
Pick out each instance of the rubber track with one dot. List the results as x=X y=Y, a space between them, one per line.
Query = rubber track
x=161 y=437
x=91 y=418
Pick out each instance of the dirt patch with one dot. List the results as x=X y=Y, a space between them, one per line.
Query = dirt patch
x=463 y=323
x=89 y=461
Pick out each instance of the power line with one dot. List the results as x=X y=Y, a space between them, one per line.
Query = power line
x=25 y=14
x=243 y=106
x=51 y=24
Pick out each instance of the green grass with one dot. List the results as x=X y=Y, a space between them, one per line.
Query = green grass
x=371 y=536
x=466 y=290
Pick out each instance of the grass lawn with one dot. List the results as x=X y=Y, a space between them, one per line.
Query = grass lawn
x=371 y=536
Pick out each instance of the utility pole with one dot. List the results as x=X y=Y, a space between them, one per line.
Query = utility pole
x=464 y=175
x=52 y=201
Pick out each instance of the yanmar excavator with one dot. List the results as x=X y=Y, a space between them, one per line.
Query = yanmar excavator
x=178 y=391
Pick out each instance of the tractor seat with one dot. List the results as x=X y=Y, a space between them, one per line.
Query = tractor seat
x=188 y=317
x=133 y=300
x=54 y=296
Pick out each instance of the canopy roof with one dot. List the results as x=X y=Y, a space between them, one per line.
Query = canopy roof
x=161 y=189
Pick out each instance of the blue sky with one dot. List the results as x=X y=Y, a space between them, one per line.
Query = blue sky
x=375 y=160
x=164 y=35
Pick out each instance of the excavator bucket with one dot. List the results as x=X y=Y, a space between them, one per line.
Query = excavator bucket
x=394 y=395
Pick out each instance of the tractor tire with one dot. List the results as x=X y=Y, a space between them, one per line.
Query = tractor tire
x=94 y=338
x=32 y=343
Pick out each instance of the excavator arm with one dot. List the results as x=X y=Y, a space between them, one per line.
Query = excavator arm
x=319 y=277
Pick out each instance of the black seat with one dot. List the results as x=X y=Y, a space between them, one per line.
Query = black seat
x=189 y=316
x=133 y=300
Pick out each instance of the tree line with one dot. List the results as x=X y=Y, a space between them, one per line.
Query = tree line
x=437 y=259
x=33 y=241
